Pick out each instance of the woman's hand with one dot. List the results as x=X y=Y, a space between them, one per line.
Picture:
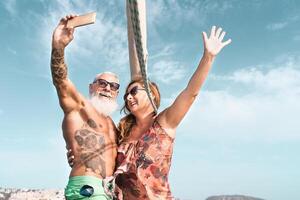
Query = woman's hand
x=172 y=116
x=213 y=45
x=70 y=157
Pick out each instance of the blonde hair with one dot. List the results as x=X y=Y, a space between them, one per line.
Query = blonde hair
x=126 y=123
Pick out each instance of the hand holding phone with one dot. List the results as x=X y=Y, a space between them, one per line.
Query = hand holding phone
x=82 y=20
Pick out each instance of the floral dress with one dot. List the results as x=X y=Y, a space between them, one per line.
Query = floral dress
x=143 y=166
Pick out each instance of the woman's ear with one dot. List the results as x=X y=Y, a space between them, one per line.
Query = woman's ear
x=152 y=96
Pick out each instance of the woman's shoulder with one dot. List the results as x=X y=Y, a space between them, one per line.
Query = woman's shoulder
x=161 y=121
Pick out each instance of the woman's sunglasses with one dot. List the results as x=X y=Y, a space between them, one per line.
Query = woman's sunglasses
x=132 y=92
x=103 y=83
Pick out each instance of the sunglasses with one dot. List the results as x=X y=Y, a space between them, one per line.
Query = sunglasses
x=103 y=83
x=133 y=92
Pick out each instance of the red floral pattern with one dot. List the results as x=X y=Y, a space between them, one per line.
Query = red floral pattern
x=143 y=166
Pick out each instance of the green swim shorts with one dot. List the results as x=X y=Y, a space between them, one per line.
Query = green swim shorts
x=85 y=188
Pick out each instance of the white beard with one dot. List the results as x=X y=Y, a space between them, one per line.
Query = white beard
x=104 y=105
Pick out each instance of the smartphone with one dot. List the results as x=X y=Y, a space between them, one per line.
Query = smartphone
x=82 y=20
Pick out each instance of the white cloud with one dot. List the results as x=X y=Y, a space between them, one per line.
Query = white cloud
x=22 y=165
x=297 y=37
x=269 y=110
x=46 y=153
x=12 y=51
x=163 y=67
x=266 y=116
x=277 y=26
x=167 y=50
x=174 y=13
x=106 y=40
x=278 y=80
x=167 y=71
x=10 y=6
x=282 y=24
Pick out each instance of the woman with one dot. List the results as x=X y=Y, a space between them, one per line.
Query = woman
x=146 y=140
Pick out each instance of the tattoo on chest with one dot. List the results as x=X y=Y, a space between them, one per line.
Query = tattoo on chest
x=92 y=123
x=58 y=66
x=91 y=148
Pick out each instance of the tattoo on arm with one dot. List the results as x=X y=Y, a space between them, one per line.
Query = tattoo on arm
x=58 y=66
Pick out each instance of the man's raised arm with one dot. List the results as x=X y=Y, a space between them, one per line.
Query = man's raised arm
x=69 y=98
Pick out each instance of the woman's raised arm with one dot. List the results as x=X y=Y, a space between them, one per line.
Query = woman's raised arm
x=172 y=116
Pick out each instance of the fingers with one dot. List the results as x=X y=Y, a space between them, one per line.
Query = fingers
x=68 y=17
x=71 y=31
x=218 y=32
x=69 y=152
x=222 y=36
x=213 y=31
x=226 y=42
x=204 y=35
x=71 y=164
x=71 y=157
x=73 y=15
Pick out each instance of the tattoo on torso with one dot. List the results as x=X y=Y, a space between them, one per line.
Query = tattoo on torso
x=91 y=123
x=91 y=149
x=58 y=66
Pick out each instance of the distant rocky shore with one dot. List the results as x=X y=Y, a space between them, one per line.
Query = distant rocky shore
x=48 y=194
x=31 y=194
x=232 y=197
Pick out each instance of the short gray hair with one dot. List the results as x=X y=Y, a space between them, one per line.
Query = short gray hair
x=110 y=73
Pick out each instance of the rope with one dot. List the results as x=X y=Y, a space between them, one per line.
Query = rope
x=134 y=14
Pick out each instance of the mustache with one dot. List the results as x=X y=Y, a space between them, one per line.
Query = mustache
x=104 y=105
x=105 y=94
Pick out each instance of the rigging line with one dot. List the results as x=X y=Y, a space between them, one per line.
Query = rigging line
x=134 y=14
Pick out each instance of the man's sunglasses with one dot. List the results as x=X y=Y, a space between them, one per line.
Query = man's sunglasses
x=133 y=92
x=103 y=83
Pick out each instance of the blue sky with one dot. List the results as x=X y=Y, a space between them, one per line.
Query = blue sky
x=242 y=134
